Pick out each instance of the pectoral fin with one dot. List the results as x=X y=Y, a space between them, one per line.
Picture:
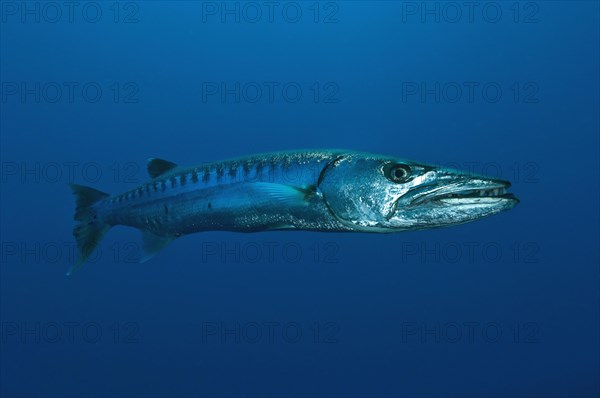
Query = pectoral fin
x=288 y=194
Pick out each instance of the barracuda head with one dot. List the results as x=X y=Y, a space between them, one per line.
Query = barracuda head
x=379 y=194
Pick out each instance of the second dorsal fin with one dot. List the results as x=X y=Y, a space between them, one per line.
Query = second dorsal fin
x=157 y=167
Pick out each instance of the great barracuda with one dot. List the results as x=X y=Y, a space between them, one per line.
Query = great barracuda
x=329 y=190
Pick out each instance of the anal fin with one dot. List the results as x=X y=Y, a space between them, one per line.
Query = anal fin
x=152 y=244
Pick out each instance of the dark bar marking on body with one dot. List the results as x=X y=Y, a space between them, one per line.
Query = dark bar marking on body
x=233 y=170
x=286 y=163
x=259 y=168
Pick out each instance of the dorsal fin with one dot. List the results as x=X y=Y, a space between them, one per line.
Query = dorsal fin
x=157 y=167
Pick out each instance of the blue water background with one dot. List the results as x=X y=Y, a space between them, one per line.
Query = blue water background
x=378 y=313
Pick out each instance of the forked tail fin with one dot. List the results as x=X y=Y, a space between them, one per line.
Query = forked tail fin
x=91 y=229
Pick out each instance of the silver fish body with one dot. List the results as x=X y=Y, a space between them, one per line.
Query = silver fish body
x=329 y=190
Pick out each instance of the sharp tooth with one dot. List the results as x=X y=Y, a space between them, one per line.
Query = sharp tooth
x=496 y=192
x=481 y=193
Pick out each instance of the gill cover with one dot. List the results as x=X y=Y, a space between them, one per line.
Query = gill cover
x=360 y=192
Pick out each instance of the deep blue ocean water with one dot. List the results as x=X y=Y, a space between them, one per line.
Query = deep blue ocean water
x=507 y=306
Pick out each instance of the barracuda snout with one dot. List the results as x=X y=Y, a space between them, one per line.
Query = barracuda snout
x=386 y=195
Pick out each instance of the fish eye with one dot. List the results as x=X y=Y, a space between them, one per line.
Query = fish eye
x=398 y=173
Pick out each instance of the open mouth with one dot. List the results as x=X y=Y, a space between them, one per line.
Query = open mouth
x=498 y=193
x=494 y=192
x=477 y=197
